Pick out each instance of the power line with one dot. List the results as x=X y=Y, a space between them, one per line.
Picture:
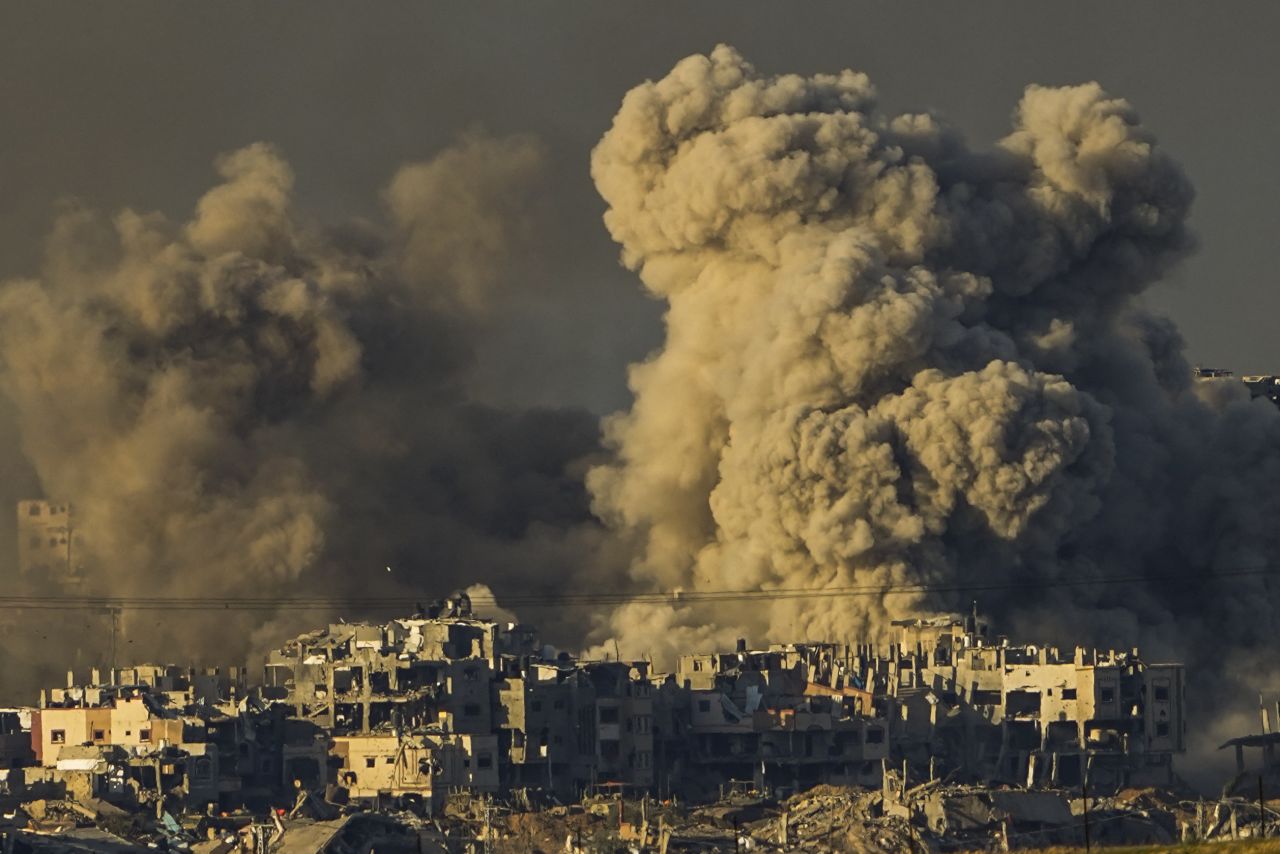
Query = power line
x=562 y=600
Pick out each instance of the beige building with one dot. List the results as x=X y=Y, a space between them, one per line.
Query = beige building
x=49 y=547
x=1030 y=714
x=791 y=715
x=127 y=722
x=372 y=765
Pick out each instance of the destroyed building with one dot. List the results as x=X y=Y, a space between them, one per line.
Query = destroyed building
x=945 y=698
x=787 y=717
x=1026 y=714
x=1264 y=769
x=1263 y=385
x=1266 y=386
x=443 y=702
x=143 y=735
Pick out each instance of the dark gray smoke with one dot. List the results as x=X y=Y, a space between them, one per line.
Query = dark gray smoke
x=893 y=359
x=245 y=405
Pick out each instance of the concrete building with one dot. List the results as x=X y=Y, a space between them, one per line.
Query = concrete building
x=432 y=669
x=15 y=739
x=1264 y=771
x=783 y=718
x=537 y=727
x=1030 y=714
x=50 y=550
x=444 y=702
x=371 y=765
x=614 y=713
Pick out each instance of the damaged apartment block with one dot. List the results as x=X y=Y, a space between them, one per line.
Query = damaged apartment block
x=1029 y=715
x=444 y=702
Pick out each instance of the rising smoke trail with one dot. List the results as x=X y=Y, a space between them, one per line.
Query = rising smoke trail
x=891 y=359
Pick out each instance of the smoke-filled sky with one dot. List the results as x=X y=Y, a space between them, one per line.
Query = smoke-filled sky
x=129 y=105
x=293 y=295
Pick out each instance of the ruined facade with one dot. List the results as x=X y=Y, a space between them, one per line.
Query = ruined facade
x=444 y=701
x=1030 y=715
x=1262 y=769
x=786 y=717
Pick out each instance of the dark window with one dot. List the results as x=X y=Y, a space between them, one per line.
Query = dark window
x=609 y=715
x=875 y=735
x=58 y=736
x=370 y=762
x=99 y=735
x=484 y=760
x=1107 y=695
x=1162 y=692
x=1068 y=693
x=34 y=510
x=704 y=705
x=1162 y=729
x=144 y=735
x=986 y=698
x=471 y=709
x=1022 y=703
x=471 y=674
x=391 y=760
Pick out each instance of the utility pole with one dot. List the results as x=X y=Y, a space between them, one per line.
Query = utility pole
x=115 y=627
x=1084 y=787
x=1262 y=808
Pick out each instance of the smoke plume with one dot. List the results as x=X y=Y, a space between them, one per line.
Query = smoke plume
x=245 y=405
x=891 y=359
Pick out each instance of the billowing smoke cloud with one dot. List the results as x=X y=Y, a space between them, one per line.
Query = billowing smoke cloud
x=890 y=359
x=894 y=360
x=243 y=405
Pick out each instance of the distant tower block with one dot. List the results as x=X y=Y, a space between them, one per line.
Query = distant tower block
x=49 y=546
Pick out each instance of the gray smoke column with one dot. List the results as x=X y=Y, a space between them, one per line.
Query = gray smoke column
x=246 y=405
x=892 y=359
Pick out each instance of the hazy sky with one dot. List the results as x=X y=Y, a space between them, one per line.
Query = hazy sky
x=127 y=104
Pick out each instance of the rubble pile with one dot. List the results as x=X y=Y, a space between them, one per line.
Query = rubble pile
x=932 y=817
x=831 y=819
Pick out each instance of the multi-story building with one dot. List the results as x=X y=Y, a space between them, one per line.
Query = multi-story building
x=614 y=707
x=786 y=717
x=1031 y=714
x=443 y=702
x=435 y=668
x=50 y=550
x=534 y=714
